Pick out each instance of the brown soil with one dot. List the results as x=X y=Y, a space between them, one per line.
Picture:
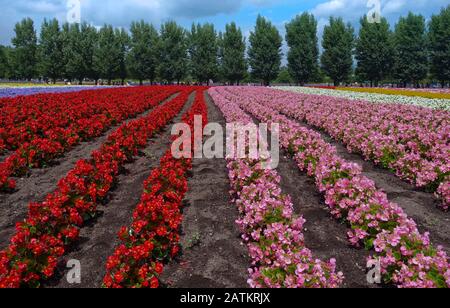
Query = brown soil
x=324 y=236
x=213 y=255
x=419 y=205
x=99 y=239
x=41 y=182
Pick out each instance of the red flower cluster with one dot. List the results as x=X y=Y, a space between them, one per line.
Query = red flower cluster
x=41 y=128
x=41 y=239
x=153 y=236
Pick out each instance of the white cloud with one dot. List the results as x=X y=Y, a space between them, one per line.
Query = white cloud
x=121 y=12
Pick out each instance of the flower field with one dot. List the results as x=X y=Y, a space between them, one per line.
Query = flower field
x=425 y=93
x=357 y=183
x=375 y=97
x=13 y=91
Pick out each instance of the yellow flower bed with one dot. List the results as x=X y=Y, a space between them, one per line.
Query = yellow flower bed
x=30 y=84
x=398 y=92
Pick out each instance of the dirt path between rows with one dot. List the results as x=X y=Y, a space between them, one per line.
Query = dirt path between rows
x=213 y=254
x=99 y=239
x=324 y=236
x=41 y=182
x=419 y=205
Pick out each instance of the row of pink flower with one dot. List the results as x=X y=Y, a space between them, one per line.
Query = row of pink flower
x=406 y=256
x=270 y=229
x=412 y=141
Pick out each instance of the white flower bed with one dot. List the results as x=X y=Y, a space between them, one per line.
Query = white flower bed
x=374 y=98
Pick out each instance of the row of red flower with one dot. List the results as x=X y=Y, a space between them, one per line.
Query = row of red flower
x=48 y=135
x=406 y=257
x=50 y=226
x=153 y=237
x=25 y=118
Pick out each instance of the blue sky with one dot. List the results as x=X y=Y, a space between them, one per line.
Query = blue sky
x=121 y=12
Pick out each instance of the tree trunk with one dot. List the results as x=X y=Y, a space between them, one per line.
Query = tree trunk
x=141 y=82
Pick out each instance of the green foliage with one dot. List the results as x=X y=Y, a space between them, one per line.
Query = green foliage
x=51 y=61
x=143 y=56
x=79 y=42
x=107 y=54
x=284 y=77
x=123 y=39
x=374 y=51
x=4 y=63
x=265 y=51
x=439 y=39
x=303 y=55
x=173 y=52
x=337 y=60
x=410 y=41
x=232 y=54
x=204 y=51
x=24 y=58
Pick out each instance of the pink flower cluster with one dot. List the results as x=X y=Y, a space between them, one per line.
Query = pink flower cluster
x=412 y=141
x=407 y=257
x=273 y=234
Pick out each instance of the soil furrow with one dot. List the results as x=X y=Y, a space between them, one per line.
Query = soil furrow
x=41 y=182
x=419 y=205
x=213 y=253
x=99 y=238
x=324 y=236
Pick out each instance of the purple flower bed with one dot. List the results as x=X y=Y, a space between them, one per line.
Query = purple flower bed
x=13 y=92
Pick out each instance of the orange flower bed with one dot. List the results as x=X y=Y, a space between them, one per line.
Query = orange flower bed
x=398 y=92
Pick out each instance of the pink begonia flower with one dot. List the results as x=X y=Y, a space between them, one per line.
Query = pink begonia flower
x=348 y=193
x=272 y=246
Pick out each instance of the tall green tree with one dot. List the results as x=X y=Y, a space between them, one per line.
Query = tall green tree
x=173 y=52
x=89 y=38
x=303 y=55
x=439 y=39
x=74 y=67
x=284 y=77
x=337 y=56
x=4 y=63
x=411 y=57
x=265 y=51
x=204 y=52
x=107 y=54
x=233 y=65
x=123 y=39
x=25 y=50
x=143 y=56
x=51 y=61
x=374 y=51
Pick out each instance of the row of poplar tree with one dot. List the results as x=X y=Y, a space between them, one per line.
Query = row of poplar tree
x=413 y=51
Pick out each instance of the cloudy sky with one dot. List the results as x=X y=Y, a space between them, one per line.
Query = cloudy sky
x=121 y=12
